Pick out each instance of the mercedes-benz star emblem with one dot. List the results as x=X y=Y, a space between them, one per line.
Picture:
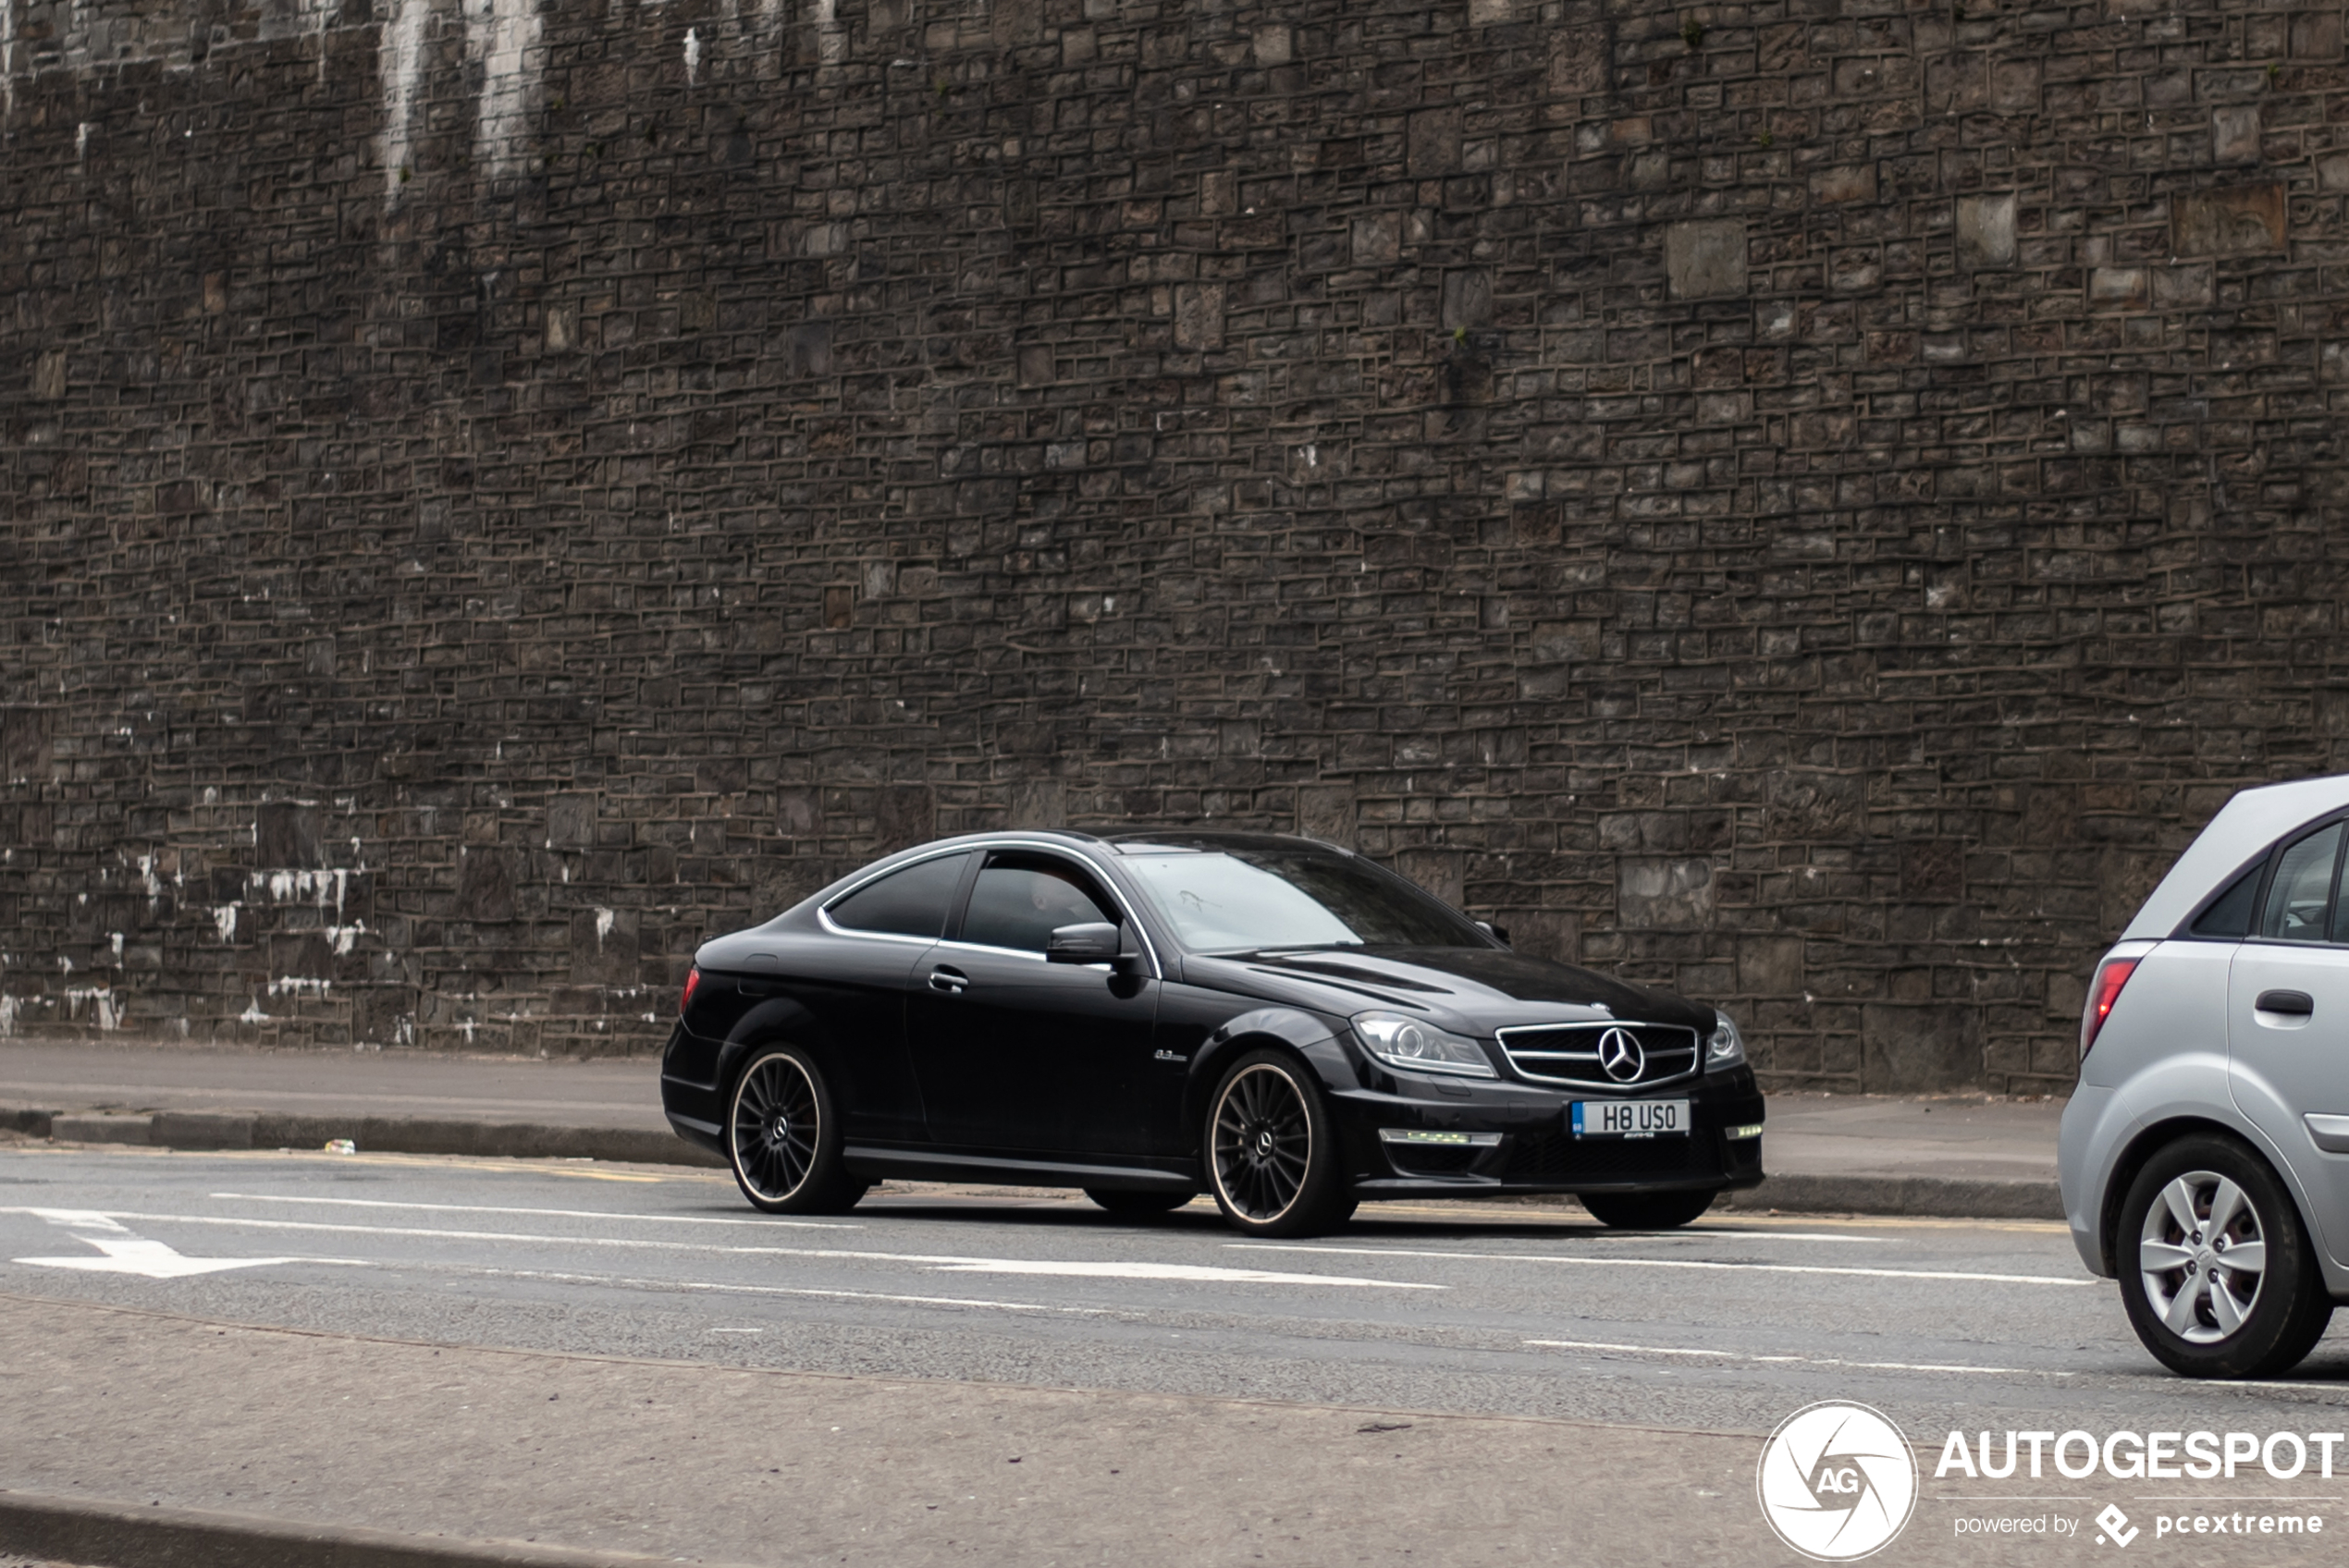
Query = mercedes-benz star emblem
x=1620 y=1055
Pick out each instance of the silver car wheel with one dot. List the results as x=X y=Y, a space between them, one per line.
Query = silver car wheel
x=2203 y=1256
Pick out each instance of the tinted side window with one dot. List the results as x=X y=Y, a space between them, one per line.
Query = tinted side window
x=911 y=902
x=2301 y=895
x=1019 y=901
x=2231 y=916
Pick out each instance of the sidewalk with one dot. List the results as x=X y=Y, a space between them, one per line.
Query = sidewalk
x=1960 y=1157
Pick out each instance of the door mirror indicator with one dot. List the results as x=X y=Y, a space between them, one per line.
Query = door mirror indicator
x=1093 y=942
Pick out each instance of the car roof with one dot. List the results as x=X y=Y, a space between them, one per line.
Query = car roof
x=2244 y=825
x=1214 y=839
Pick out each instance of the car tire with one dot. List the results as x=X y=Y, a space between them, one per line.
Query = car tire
x=1138 y=1206
x=1647 y=1211
x=2200 y=1315
x=783 y=1139
x=1270 y=1149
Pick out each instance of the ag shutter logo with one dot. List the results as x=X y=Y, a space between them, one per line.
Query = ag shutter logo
x=1836 y=1481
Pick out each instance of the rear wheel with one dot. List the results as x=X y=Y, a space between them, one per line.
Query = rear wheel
x=1647 y=1211
x=783 y=1140
x=1138 y=1206
x=1272 y=1152
x=2220 y=1279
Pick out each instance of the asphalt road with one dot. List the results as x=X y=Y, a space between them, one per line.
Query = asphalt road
x=1726 y=1327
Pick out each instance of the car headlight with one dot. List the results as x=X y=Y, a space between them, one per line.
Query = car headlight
x=1726 y=1048
x=1419 y=1047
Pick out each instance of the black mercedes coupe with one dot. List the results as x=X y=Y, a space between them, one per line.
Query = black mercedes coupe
x=1283 y=1024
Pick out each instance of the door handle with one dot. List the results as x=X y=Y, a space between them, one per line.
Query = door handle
x=2292 y=1004
x=953 y=982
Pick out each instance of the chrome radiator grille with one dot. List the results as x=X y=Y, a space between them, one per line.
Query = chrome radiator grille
x=1603 y=1055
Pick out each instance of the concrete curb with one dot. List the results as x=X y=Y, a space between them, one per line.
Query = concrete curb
x=1948 y=1197
x=119 y=1534
x=1924 y=1196
x=195 y=1130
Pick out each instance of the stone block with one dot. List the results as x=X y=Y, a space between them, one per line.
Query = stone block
x=1579 y=61
x=1986 y=231
x=1274 y=45
x=24 y=745
x=1433 y=143
x=1927 y=1047
x=2237 y=221
x=1468 y=298
x=1199 y=315
x=571 y=821
x=287 y=836
x=604 y=947
x=1770 y=966
x=1852 y=182
x=1378 y=238
x=1662 y=894
x=2119 y=287
x=2234 y=133
x=1706 y=257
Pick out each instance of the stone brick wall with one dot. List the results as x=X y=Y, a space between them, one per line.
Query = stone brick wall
x=1810 y=503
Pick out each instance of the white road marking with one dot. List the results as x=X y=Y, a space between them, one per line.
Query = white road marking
x=1668 y=1263
x=947 y=1263
x=723 y=1289
x=1122 y=1270
x=1804 y=1360
x=550 y=1213
x=123 y=1252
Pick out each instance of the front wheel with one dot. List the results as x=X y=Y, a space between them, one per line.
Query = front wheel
x=1646 y=1211
x=783 y=1140
x=1272 y=1152
x=2219 y=1277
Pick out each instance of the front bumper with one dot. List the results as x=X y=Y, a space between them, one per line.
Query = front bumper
x=1518 y=1139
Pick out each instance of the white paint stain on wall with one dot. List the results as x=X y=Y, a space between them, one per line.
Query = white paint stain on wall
x=502 y=36
x=100 y=1001
x=692 y=57
x=224 y=920
x=299 y=986
x=400 y=69
x=9 y=54
x=313 y=885
x=8 y=1016
x=603 y=927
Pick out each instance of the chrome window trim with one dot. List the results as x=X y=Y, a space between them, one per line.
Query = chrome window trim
x=1696 y=1059
x=824 y=910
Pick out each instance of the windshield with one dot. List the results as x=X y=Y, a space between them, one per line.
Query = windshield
x=1244 y=900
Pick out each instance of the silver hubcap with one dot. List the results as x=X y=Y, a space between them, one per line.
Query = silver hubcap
x=2202 y=1256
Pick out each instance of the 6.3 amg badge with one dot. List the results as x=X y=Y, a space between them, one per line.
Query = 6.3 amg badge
x=1836 y=1481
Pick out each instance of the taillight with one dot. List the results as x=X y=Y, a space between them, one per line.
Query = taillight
x=2111 y=974
x=693 y=983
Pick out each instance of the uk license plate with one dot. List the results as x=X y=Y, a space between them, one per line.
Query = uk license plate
x=1629 y=1118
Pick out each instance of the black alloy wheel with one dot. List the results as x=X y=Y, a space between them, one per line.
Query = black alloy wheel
x=2219 y=1275
x=1647 y=1211
x=783 y=1139
x=1138 y=1206
x=1271 y=1153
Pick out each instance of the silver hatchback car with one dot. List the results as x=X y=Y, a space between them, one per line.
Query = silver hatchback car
x=2205 y=1151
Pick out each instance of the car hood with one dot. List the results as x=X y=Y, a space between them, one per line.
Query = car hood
x=1471 y=990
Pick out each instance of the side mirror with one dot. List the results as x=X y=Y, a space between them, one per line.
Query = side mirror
x=1499 y=933
x=1093 y=942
